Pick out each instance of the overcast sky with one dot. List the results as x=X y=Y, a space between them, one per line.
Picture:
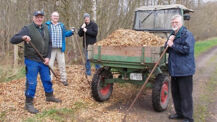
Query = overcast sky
x=209 y=0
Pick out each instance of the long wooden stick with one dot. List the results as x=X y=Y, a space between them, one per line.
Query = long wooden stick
x=85 y=41
x=81 y=52
x=41 y=57
x=146 y=81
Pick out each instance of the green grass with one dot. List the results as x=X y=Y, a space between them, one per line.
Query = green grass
x=9 y=73
x=2 y=116
x=203 y=46
x=57 y=115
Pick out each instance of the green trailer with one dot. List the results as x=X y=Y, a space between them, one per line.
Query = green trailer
x=133 y=64
x=129 y=65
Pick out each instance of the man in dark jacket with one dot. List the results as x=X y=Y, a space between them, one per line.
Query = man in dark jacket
x=89 y=32
x=38 y=34
x=181 y=68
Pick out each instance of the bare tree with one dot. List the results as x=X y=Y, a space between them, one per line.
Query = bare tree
x=108 y=14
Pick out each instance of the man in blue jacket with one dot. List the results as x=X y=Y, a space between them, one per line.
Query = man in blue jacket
x=181 y=68
x=38 y=34
x=58 y=33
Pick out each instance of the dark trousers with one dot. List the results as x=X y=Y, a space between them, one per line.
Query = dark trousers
x=88 y=65
x=182 y=88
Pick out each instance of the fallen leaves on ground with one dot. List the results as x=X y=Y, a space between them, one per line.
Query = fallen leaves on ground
x=12 y=99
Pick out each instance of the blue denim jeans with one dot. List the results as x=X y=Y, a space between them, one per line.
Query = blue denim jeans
x=32 y=70
x=88 y=65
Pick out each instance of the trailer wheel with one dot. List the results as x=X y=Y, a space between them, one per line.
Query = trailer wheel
x=100 y=90
x=160 y=93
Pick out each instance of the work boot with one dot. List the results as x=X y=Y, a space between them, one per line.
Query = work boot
x=50 y=98
x=29 y=106
x=65 y=83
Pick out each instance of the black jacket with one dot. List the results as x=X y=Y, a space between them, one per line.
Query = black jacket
x=92 y=30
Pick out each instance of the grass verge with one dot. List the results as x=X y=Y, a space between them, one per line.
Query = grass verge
x=59 y=115
x=2 y=116
x=203 y=46
x=8 y=73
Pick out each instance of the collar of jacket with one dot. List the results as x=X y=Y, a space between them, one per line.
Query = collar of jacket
x=90 y=23
x=39 y=27
x=49 y=23
x=178 y=35
x=56 y=24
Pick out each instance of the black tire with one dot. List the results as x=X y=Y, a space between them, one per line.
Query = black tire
x=101 y=91
x=160 y=93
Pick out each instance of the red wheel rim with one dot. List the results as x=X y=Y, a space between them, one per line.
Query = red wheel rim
x=164 y=92
x=105 y=90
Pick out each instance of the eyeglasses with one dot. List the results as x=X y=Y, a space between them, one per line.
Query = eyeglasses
x=174 y=22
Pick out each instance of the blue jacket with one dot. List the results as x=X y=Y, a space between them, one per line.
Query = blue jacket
x=181 y=54
x=65 y=33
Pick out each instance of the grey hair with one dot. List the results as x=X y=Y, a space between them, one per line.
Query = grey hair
x=179 y=17
x=54 y=13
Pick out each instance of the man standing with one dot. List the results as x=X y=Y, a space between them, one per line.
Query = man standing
x=58 y=34
x=38 y=34
x=88 y=31
x=181 y=68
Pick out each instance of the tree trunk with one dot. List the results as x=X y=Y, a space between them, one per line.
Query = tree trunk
x=94 y=10
x=75 y=50
x=16 y=56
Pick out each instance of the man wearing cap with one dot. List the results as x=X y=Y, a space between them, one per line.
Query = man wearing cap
x=38 y=34
x=58 y=33
x=90 y=30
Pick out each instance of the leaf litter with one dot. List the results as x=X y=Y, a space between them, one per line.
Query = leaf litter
x=12 y=99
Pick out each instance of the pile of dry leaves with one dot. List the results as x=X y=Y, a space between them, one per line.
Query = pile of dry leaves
x=12 y=99
x=127 y=37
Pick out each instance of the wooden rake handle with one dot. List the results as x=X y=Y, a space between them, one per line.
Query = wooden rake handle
x=146 y=81
x=82 y=55
x=41 y=57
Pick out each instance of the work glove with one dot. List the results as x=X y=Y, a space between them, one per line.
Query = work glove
x=73 y=29
x=83 y=26
x=85 y=29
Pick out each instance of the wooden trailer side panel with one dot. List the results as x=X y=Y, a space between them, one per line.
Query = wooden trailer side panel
x=124 y=54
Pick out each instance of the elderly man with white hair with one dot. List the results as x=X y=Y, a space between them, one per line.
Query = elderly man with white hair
x=181 y=67
x=58 y=33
